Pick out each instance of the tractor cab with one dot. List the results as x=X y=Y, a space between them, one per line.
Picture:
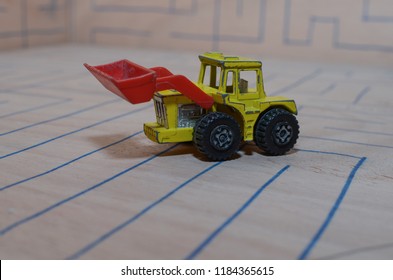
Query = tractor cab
x=233 y=77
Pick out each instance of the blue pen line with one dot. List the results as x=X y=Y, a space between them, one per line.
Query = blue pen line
x=270 y=77
x=368 y=17
x=298 y=82
x=68 y=162
x=216 y=25
x=29 y=76
x=359 y=131
x=360 y=95
x=46 y=82
x=24 y=32
x=346 y=141
x=340 y=119
x=52 y=7
x=239 y=8
x=217 y=37
x=138 y=215
x=170 y=9
x=37 y=31
x=116 y=30
x=74 y=131
x=329 y=88
x=36 y=108
x=40 y=95
x=332 y=211
x=79 y=194
x=215 y=233
x=335 y=23
x=327 y=153
x=60 y=117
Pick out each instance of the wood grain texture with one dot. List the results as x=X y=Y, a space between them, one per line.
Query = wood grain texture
x=78 y=179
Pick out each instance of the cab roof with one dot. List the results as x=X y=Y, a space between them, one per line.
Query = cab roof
x=221 y=60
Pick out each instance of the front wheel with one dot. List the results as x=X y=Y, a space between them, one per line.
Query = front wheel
x=276 y=132
x=217 y=135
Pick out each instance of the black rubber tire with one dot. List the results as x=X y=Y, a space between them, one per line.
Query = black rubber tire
x=276 y=132
x=217 y=135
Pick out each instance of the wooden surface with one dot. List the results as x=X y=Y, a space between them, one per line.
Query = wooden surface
x=78 y=179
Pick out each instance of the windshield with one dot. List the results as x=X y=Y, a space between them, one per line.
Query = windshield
x=212 y=76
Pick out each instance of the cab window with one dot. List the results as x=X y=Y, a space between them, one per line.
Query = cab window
x=248 y=81
x=212 y=76
x=230 y=82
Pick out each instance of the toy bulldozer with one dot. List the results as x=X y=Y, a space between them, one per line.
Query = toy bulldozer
x=227 y=105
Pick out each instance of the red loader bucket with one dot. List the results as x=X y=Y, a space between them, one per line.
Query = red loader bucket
x=126 y=79
x=137 y=84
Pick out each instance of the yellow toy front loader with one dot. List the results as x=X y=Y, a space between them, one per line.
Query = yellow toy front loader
x=227 y=105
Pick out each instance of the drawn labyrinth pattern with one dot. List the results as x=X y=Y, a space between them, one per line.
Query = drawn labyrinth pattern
x=356 y=30
x=78 y=179
x=26 y=23
x=342 y=25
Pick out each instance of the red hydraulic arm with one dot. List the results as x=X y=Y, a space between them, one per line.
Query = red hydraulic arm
x=138 y=84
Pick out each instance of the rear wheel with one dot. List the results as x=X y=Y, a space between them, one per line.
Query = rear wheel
x=276 y=132
x=217 y=135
